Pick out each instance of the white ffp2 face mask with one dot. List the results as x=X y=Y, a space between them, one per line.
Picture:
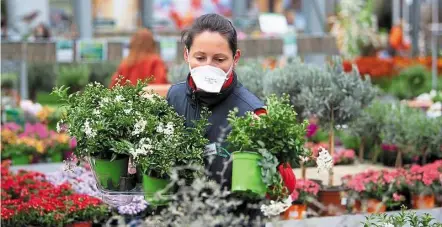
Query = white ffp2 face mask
x=209 y=78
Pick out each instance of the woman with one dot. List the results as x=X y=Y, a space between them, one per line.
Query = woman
x=142 y=62
x=212 y=54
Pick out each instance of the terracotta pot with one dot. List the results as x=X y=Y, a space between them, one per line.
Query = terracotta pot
x=331 y=200
x=295 y=212
x=80 y=224
x=423 y=201
x=371 y=206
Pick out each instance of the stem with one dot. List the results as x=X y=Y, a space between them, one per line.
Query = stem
x=303 y=170
x=399 y=158
x=332 y=147
x=361 y=149
x=424 y=156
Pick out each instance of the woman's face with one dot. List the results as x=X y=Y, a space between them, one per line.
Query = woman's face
x=211 y=48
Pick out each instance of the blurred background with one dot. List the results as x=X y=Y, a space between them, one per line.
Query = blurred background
x=41 y=37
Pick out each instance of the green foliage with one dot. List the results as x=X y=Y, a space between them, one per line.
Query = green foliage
x=411 y=82
x=278 y=131
x=334 y=96
x=348 y=140
x=9 y=80
x=404 y=218
x=398 y=126
x=127 y=120
x=178 y=73
x=75 y=77
x=102 y=72
x=251 y=76
x=371 y=121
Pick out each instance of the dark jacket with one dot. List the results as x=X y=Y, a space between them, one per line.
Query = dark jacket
x=188 y=103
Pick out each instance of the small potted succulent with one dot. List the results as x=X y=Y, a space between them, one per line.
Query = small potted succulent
x=262 y=144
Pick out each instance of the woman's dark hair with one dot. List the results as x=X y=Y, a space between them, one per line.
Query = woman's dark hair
x=213 y=23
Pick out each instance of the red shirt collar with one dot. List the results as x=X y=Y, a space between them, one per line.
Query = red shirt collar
x=225 y=85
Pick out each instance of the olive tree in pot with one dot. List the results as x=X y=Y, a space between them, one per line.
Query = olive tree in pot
x=368 y=127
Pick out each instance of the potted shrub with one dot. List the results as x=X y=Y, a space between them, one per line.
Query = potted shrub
x=165 y=144
x=262 y=144
x=74 y=76
x=100 y=118
x=306 y=191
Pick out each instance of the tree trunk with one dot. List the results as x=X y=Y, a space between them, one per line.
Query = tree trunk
x=361 y=150
x=399 y=158
x=332 y=146
x=424 y=156
x=303 y=170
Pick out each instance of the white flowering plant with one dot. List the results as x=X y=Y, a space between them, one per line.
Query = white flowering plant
x=127 y=120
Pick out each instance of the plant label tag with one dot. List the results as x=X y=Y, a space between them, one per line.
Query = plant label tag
x=210 y=149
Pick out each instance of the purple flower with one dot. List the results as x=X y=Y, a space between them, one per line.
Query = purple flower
x=389 y=147
x=311 y=130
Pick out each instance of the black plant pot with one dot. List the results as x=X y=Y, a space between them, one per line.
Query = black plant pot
x=388 y=158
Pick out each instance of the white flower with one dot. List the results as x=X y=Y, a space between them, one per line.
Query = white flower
x=88 y=130
x=144 y=148
x=276 y=208
x=104 y=101
x=139 y=127
x=127 y=111
x=59 y=126
x=96 y=112
x=388 y=225
x=119 y=98
x=149 y=96
x=324 y=160
x=166 y=130
x=304 y=159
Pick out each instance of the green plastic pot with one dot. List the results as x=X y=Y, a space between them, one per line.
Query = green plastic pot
x=151 y=187
x=111 y=173
x=20 y=159
x=57 y=157
x=246 y=174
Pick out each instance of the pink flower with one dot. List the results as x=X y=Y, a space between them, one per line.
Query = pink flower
x=397 y=197
x=73 y=143
x=294 y=195
x=12 y=126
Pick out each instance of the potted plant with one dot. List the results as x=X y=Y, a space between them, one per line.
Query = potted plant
x=423 y=182
x=305 y=192
x=20 y=151
x=374 y=191
x=165 y=144
x=368 y=127
x=399 y=130
x=262 y=144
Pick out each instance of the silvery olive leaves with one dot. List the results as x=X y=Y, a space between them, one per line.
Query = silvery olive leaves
x=129 y=121
x=334 y=96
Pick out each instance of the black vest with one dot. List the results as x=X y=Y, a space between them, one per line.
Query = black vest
x=188 y=103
